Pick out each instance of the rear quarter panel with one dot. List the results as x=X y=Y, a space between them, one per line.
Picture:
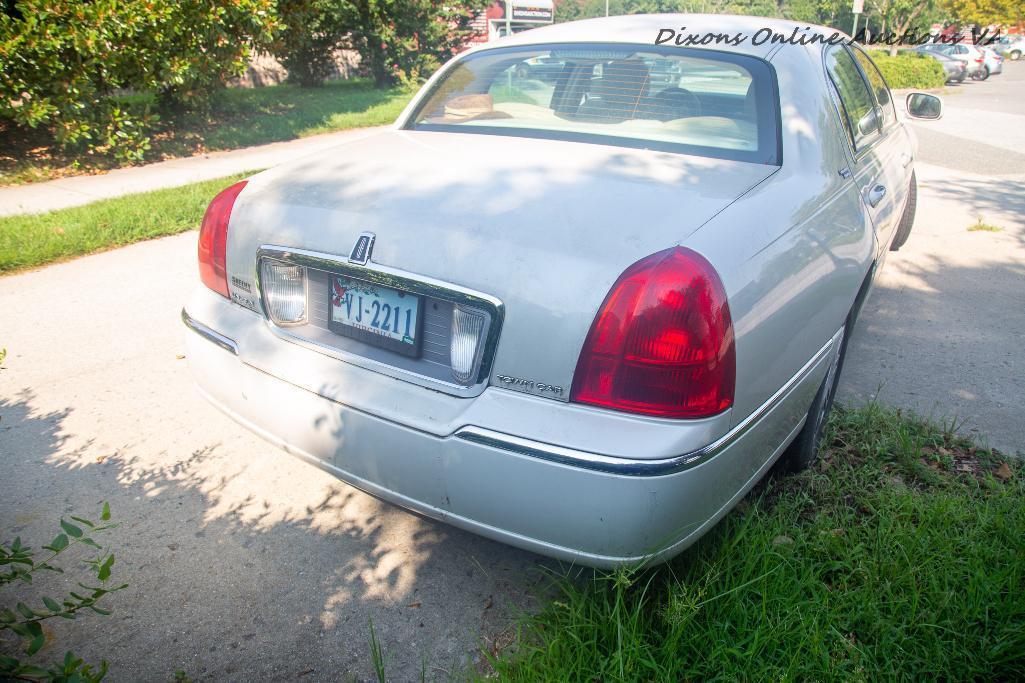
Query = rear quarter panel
x=794 y=250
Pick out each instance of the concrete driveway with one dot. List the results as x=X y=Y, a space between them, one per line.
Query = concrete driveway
x=245 y=563
x=942 y=333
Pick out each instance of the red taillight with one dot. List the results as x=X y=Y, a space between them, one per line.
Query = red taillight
x=662 y=343
x=213 y=239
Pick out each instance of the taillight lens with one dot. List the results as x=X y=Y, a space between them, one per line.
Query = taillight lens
x=213 y=239
x=662 y=343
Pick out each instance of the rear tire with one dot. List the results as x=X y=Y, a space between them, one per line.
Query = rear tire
x=907 y=219
x=804 y=449
x=1015 y=55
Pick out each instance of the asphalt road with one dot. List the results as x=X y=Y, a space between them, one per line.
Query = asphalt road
x=245 y=563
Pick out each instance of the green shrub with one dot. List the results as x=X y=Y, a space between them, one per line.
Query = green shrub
x=311 y=30
x=910 y=70
x=66 y=66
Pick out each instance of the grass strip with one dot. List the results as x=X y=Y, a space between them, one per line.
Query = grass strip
x=33 y=240
x=899 y=555
x=240 y=117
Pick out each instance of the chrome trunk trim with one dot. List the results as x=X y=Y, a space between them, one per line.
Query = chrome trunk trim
x=397 y=279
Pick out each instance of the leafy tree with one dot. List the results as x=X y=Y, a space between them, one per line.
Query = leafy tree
x=986 y=12
x=64 y=65
x=312 y=30
x=896 y=17
x=407 y=39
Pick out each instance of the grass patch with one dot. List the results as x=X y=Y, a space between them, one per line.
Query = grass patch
x=980 y=226
x=33 y=240
x=899 y=555
x=241 y=117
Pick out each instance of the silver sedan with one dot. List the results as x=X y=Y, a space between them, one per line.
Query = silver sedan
x=582 y=315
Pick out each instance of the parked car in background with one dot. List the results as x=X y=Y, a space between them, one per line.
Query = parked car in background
x=541 y=68
x=973 y=58
x=994 y=62
x=954 y=69
x=584 y=320
x=1012 y=46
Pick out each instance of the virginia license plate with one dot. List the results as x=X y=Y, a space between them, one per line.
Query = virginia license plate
x=375 y=314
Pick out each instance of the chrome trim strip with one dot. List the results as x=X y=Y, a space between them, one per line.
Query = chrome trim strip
x=398 y=279
x=635 y=467
x=209 y=334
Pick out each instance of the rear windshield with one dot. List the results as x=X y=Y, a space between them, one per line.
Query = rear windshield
x=702 y=102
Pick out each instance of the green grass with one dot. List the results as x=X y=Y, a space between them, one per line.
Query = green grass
x=980 y=226
x=241 y=117
x=34 y=240
x=900 y=555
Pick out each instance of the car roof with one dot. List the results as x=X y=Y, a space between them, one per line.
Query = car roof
x=642 y=29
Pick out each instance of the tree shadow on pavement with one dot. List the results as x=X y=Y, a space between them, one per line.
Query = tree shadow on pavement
x=260 y=567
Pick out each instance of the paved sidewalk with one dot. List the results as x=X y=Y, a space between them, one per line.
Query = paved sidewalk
x=77 y=190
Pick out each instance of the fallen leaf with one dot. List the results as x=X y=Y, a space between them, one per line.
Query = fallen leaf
x=489 y=602
x=1004 y=472
x=781 y=540
x=415 y=605
x=179 y=356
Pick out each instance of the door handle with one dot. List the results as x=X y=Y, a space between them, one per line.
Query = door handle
x=875 y=195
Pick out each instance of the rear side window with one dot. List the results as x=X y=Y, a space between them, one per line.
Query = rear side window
x=701 y=102
x=858 y=109
x=879 y=87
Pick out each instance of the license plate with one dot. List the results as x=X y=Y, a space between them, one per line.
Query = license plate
x=375 y=314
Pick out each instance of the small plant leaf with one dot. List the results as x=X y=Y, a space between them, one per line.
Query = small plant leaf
x=51 y=604
x=35 y=644
x=71 y=529
x=58 y=543
x=104 y=573
x=83 y=520
x=26 y=611
x=90 y=542
x=105 y=515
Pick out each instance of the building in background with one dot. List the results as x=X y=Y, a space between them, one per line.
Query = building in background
x=526 y=14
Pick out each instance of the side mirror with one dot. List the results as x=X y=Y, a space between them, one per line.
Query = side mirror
x=924 y=106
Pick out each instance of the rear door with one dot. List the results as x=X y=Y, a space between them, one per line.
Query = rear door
x=862 y=120
x=893 y=150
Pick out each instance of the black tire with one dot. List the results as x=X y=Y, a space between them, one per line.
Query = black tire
x=982 y=74
x=907 y=219
x=804 y=449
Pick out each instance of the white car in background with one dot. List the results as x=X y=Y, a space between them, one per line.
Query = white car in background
x=581 y=315
x=973 y=57
x=1012 y=45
